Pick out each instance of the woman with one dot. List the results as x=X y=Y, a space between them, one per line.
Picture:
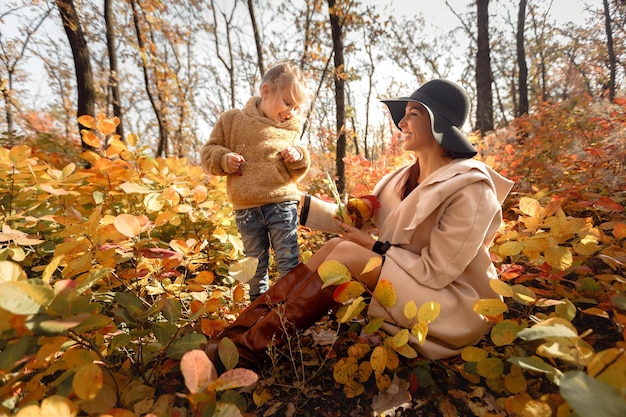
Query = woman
x=436 y=222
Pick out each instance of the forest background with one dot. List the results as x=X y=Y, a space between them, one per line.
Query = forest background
x=118 y=254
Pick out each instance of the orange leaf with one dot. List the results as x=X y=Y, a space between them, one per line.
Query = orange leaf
x=88 y=122
x=204 y=278
x=619 y=230
x=347 y=291
x=127 y=224
x=91 y=139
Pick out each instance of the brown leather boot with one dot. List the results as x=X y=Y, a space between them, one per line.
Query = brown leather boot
x=296 y=301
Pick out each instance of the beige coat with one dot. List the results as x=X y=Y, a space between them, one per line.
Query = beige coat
x=441 y=235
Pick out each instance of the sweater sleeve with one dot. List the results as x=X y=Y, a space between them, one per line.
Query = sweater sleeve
x=298 y=169
x=214 y=152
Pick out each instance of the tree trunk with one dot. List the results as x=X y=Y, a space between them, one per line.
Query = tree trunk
x=109 y=20
x=257 y=38
x=337 y=36
x=609 y=47
x=155 y=100
x=521 y=61
x=80 y=52
x=484 y=99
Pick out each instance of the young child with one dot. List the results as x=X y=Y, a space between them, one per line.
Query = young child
x=258 y=149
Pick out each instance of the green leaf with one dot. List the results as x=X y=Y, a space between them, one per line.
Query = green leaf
x=172 y=309
x=163 y=332
x=373 y=325
x=41 y=324
x=545 y=332
x=537 y=365
x=591 y=397
x=15 y=352
x=228 y=353
x=185 y=344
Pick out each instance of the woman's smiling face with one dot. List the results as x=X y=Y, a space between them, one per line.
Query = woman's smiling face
x=416 y=127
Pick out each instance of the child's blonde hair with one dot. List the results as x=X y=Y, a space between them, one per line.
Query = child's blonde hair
x=285 y=75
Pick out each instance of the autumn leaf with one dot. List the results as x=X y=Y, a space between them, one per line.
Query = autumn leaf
x=347 y=291
x=245 y=269
x=384 y=293
x=428 y=312
x=333 y=273
x=378 y=360
x=490 y=307
x=198 y=371
x=127 y=224
x=91 y=139
x=88 y=380
x=373 y=263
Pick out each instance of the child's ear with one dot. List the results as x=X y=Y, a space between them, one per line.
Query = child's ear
x=265 y=90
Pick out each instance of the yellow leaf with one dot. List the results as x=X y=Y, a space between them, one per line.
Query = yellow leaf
x=88 y=380
x=490 y=368
x=164 y=217
x=378 y=360
x=523 y=294
x=127 y=224
x=358 y=350
x=372 y=264
x=333 y=272
x=383 y=381
x=91 y=139
x=11 y=271
x=407 y=351
x=559 y=257
x=510 y=248
x=530 y=206
x=132 y=139
x=353 y=389
x=365 y=371
x=51 y=268
x=345 y=370
x=115 y=147
x=153 y=202
x=353 y=310
x=473 y=354
x=420 y=330
x=490 y=307
x=501 y=288
x=505 y=332
x=586 y=246
x=200 y=194
x=428 y=312
x=384 y=293
x=514 y=381
x=410 y=310
x=401 y=338
x=244 y=270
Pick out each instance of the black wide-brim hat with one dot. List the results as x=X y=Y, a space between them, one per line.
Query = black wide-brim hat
x=449 y=107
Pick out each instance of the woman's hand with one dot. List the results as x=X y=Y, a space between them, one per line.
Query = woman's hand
x=356 y=235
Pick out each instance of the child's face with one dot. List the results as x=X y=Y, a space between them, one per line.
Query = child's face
x=278 y=105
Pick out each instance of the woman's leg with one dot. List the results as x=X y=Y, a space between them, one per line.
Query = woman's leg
x=352 y=255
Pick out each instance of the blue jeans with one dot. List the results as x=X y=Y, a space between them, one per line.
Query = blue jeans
x=275 y=224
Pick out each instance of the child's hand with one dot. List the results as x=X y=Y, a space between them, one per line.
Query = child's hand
x=291 y=154
x=235 y=161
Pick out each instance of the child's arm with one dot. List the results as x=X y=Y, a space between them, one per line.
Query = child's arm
x=217 y=159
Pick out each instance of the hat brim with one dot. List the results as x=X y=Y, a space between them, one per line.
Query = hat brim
x=452 y=138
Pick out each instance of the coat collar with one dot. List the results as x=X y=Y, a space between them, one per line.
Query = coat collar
x=437 y=187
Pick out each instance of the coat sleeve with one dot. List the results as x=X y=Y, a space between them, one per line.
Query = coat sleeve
x=464 y=227
x=213 y=153
x=319 y=215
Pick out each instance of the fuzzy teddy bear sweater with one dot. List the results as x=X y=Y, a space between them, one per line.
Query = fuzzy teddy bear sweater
x=265 y=177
